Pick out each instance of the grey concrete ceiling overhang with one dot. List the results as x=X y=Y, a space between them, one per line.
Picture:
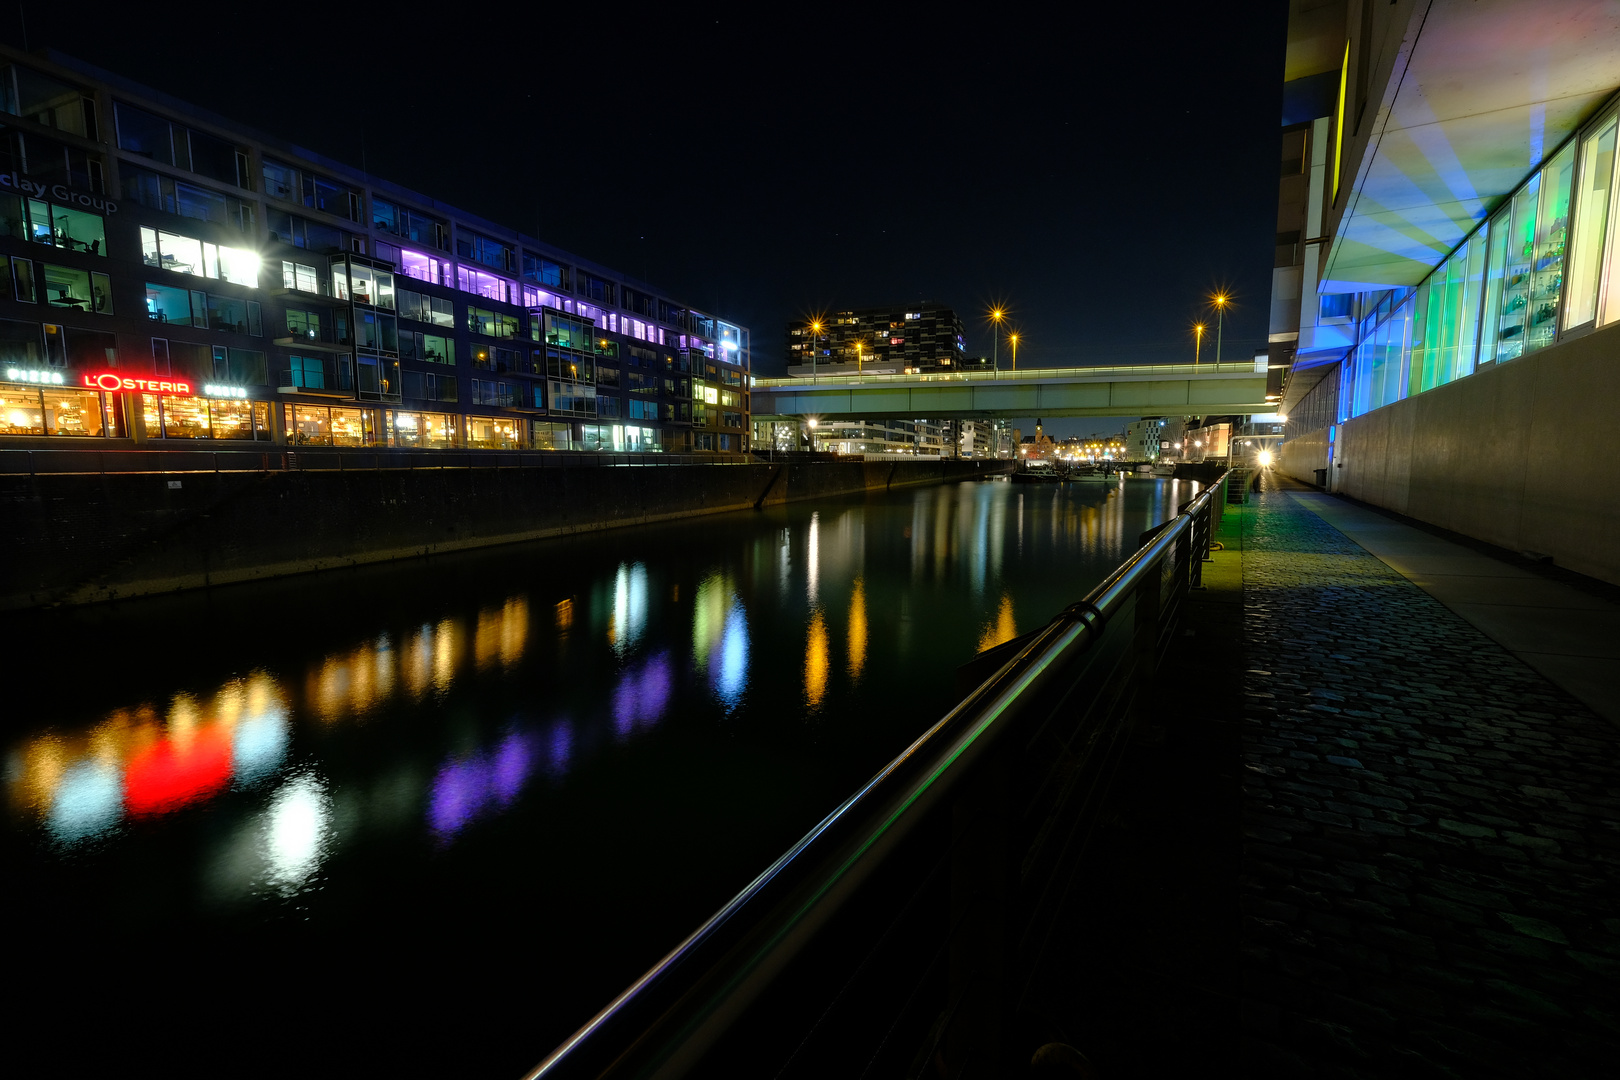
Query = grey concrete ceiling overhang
x=1482 y=92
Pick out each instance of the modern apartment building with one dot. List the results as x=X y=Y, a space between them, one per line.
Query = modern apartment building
x=1446 y=292
x=170 y=277
x=892 y=340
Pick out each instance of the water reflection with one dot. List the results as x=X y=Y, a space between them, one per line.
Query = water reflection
x=857 y=629
x=908 y=589
x=1001 y=628
x=815 y=661
x=642 y=695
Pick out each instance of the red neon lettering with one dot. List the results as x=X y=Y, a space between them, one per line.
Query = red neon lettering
x=107 y=380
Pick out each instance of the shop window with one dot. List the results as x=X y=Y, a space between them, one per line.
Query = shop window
x=66 y=286
x=185 y=417
x=544 y=435
x=429 y=431
x=494 y=433
x=350 y=427
x=235 y=419
x=308 y=425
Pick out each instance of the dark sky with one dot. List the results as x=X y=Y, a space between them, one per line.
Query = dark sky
x=1099 y=172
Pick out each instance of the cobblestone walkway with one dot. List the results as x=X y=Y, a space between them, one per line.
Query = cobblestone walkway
x=1431 y=870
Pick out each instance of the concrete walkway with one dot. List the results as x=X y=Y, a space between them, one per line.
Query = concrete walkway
x=1431 y=806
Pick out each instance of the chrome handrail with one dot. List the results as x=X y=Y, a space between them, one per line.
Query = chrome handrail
x=664 y=1021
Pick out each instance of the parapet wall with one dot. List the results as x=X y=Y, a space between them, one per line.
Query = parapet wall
x=1513 y=454
x=86 y=538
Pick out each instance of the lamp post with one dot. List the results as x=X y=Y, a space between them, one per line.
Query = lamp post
x=815 y=333
x=858 y=367
x=1220 y=300
x=996 y=315
x=1198 y=341
x=1014 y=339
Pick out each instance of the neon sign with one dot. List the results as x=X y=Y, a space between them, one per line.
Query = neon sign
x=108 y=380
x=30 y=375
x=224 y=391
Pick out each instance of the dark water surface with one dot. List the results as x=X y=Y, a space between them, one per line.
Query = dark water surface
x=428 y=817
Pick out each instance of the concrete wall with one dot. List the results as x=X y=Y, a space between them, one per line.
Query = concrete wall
x=87 y=538
x=1302 y=455
x=1514 y=455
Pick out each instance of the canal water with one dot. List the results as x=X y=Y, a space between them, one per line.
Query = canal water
x=429 y=816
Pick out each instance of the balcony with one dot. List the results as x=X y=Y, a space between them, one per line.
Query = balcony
x=317 y=377
x=327 y=339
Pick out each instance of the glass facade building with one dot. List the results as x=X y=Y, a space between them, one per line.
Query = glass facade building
x=1544 y=267
x=166 y=276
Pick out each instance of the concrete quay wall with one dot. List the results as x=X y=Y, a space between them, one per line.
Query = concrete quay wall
x=76 y=539
x=1511 y=455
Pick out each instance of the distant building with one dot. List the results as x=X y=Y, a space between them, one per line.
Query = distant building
x=915 y=437
x=1142 y=439
x=891 y=340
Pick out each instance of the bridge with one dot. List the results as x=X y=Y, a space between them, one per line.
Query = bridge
x=1139 y=389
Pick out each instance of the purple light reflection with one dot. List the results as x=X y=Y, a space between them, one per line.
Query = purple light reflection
x=642 y=696
x=470 y=787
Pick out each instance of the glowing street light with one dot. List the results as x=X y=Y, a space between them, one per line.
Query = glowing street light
x=1220 y=300
x=1014 y=339
x=815 y=335
x=1198 y=341
x=997 y=314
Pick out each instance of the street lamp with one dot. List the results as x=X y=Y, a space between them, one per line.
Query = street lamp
x=858 y=367
x=1220 y=300
x=1198 y=341
x=996 y=315
x=1014 y=339
x=815 y=333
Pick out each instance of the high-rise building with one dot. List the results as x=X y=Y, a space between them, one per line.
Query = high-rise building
x=170 y=277
x=919 y=337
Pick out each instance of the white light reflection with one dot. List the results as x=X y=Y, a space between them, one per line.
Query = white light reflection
x=812 y=577
x=297 y=832
x=258 y=746
x=629 y=607
x=88 y=801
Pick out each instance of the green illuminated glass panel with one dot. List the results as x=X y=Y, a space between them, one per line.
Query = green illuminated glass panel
x=1547 y=257
x=1591 y=224
x=1518 y=239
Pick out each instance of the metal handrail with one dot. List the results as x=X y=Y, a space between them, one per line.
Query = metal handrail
x=664 y=1021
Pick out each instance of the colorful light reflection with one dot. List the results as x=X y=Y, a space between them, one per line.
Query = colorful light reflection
x=642 y=695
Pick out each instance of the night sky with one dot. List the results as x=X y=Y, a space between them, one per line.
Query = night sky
x=1099 y=172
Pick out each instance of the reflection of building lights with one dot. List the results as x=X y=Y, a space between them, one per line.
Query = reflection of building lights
x=641 y=696
x=857 y=629
x=88 y=801
x=297 y=827
x=815 y=661
x=733 y=675
x=629 y=617
x=1005 y=628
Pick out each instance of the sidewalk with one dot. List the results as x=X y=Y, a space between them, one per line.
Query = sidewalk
x=1431 y=827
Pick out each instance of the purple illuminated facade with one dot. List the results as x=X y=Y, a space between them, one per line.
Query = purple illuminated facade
x=310 y=304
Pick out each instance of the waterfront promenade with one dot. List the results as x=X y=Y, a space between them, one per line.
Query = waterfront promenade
x=1374 y=826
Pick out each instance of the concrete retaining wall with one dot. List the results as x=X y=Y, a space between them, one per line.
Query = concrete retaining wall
x=1514 y=455
x=87 y=538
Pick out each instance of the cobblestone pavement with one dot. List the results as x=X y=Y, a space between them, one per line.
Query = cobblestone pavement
x=1431 y=869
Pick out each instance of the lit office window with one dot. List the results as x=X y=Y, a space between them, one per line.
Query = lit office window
x=188 y=255
x=1592 y=199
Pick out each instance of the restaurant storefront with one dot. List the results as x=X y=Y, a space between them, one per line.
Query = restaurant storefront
x=35 y=401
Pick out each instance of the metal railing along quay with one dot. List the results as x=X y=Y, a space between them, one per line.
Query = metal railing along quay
x=326 y=459
x=900 y=936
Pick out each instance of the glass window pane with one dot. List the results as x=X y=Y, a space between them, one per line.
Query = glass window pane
x=1547 y=259
x=231 y=419
x=1519 y=237
x=1591 y=223
x=185 y=418
x=20 y=411
x=66 y=287
x=142 y=133
x=73 y=412
x=309 y=425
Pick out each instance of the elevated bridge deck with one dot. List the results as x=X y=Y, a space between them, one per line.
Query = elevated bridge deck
x=1141 y=389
